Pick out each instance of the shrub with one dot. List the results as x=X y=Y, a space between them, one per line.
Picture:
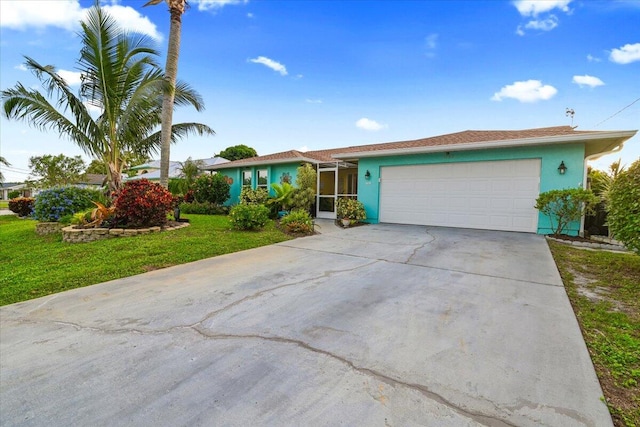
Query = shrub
x=624 y=207
x=142 y=203
x=249 y=196
x=248 y=217
x=298 y=221
x=565 y=206
x=351 y=209
x=23 y=206
x=283 y=193
x=203 y=209
x=52 y=204
x=212 y=188
x=13 y=194
x=304 y=195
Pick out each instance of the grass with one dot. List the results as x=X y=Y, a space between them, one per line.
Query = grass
x=35 y=266
x=604 y=289
x=4 y=204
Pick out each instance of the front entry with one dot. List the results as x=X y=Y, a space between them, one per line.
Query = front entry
x=327 y=192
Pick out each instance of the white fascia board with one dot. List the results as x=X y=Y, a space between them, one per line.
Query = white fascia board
x=509 y=143
x=261 y=163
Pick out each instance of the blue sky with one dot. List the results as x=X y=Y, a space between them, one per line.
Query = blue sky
x=277 y=75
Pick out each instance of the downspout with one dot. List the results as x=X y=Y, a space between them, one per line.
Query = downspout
x=586 y=173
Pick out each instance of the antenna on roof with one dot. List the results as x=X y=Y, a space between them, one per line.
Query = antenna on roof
x=570 y=112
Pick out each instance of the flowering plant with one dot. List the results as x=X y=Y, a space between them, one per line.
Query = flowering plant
x=55 y=203
x=351 y=209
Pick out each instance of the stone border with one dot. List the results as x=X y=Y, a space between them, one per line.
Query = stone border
x=594 y=245
x=82 y=235
x=44 y=228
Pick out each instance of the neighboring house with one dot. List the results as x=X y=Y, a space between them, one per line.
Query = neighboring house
x=472 y=179
x=8 y=187
x=92 y=180
x=151 y=170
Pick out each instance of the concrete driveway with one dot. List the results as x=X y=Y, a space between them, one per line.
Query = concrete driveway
x=378 y=325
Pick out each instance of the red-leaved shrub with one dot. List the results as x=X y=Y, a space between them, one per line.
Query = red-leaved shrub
x=23 y=206
x=142 y=203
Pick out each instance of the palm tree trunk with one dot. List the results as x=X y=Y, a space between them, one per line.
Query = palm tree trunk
x=176 y=8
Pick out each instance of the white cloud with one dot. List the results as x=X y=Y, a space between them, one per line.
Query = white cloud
x=368 y=124
x=626 y=54
x=536 y=7
x=129 y=19
x=21 y=67
x=526 y=91
x=250 y=15
x=313 y=101
x=592 y=58
x=547 y=24
x=587 y=80
x=431 y=44
x=67 y=14
x=204 y=5
x=274 y=65
x=303 y=149
x=20 y=15
x=72 y=78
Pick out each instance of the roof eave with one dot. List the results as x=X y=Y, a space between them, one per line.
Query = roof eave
x=610 y=139
x=231 y=165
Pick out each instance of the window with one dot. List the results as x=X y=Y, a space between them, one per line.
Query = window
x=246 y=178
x=262 y=179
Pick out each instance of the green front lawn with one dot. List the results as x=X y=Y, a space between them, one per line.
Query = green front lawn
x=34 y=266
x=604 y=289
x=4 y=204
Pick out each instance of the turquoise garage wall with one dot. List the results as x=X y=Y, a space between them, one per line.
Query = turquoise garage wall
x=551 y=156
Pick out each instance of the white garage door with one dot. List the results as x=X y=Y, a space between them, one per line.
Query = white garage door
x=497 y=195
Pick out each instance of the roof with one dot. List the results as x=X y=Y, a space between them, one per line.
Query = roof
x=175 y=168
x=466 y=140
x=94 y=179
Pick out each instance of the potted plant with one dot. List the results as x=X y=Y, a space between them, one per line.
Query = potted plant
x=350 y=210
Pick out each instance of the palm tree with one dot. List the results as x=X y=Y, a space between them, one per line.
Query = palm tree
x=121 y=78
x=176 y=10
x=3 y=161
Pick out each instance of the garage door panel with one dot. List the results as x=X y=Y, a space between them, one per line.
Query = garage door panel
x=496 y=195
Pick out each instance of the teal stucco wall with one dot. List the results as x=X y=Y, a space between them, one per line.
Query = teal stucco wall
x=551 y=156
x=274 y=174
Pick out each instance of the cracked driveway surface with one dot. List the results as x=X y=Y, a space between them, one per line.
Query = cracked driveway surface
x=381 y=325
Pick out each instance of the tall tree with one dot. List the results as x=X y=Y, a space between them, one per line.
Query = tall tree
x=57 y=170
x=238 y=152
x=121 y=78
x=176 y=10
x=3 y=161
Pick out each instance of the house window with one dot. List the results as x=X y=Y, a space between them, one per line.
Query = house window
x=262 y=179
x=246 y=178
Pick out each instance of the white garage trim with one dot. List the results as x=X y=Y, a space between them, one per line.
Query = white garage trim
x=494 y=195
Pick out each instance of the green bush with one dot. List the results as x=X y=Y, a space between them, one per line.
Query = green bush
x=142 y=203
x=23 y=206
x=624 y=207
x=304 y=195
x=566 y=206
x=203 y=209
x=297 y=221
x=248 y=217
x=212 y=188
x=351 y=209
x=13 y=194
x=55 y=203
x=249 y=196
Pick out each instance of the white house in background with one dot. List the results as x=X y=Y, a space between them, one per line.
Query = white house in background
x=151 y=170
x=8 y=187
